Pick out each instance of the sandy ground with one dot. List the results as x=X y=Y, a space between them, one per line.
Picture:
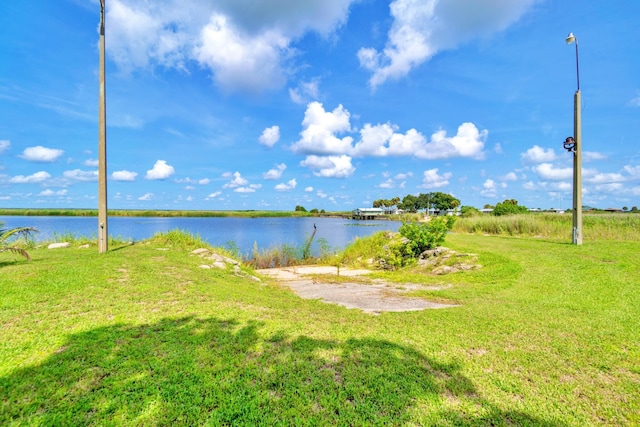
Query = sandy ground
x=372 y=298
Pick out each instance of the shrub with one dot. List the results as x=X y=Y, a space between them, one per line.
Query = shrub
x=423 y=236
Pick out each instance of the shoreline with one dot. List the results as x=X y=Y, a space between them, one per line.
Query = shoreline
x=169 y=213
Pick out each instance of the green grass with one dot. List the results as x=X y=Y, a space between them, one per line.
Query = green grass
x=554 y=226
x=547 y=334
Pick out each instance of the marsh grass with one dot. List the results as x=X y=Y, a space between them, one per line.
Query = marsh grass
x=546 y=334
x=556 y=227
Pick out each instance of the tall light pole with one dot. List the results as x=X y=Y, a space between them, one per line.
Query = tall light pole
x=574 y=144
x=103 y=234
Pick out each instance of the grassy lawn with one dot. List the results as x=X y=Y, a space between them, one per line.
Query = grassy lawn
x=547 y=334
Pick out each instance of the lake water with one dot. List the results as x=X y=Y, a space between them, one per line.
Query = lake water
x=243 y=232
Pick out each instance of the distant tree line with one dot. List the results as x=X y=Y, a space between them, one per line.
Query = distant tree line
x=422 y=202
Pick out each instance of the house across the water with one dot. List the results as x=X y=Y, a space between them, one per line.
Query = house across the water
x=367 y=213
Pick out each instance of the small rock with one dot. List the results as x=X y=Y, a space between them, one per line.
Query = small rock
x=59 y=245
x=85 y=246
x=205 y=266
x=199 y=251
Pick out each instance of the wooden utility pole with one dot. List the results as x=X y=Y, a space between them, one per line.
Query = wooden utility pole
x=103 y=234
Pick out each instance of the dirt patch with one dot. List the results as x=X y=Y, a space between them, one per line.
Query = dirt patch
x=375 y=297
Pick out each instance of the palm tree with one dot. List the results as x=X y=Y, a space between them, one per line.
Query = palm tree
x=6 y=234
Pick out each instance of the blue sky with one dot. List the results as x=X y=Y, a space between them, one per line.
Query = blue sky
x=328 y=104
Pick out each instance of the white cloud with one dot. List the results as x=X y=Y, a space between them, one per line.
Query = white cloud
x=387 y=184
x=633 y=171
x=93 y=163
x=422 y=28
x=489 y=188
x=320 y=130
x=80 y=175
x=288 y=186
x=204 y=181
x=605 y=178
x=330 y=166
x=161 y=170
x=41 y=154
x=538 y=154
x=124 y=175
x=511 y=176
x=308 y=189
x=246 y=43
x=431 y=179
x=401 y=176
x=305 y=92
x=213 y=195
x=49 y=192
x=588 y=156
x=245 y=190
x=275 y=173
x=146 y=196
x=321 y=194
x=548 y=171
x=4 y=145
x=36 y=177
x=320 y=127
x=270 y=136
x=237 y=181
x=241 y=61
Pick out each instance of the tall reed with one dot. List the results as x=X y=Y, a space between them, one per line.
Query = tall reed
x=553 y=226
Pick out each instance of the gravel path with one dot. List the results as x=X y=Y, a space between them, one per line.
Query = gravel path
x=372 y=298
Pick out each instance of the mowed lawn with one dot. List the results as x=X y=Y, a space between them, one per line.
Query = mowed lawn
x=547 y=333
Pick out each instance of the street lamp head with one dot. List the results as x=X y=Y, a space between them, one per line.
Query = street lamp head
x=570 y=38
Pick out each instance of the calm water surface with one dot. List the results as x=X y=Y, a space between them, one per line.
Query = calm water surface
x=243 y=232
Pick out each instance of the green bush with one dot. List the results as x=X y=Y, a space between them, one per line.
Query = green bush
x=423 y=236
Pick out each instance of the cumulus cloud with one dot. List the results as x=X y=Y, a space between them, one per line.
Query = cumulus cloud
x=4 y=145
x=538 y=154
x=93 y=163
x=236 y=180
x=246 y=43
x=329 y=166
x=250 y=189
x=146 y=196
x=213 y=195
x=124 y=175
x=161 y=170
x=41 y=154
x=270 y=136
x=275 y=173
x=431 y=179
x=204 y=181
x=422 y=28
x=321 y=130
x=288 y=186
x=550 y=172
x=511 y=176
x=31 y=179
x=489 y=188
x=308 y=189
